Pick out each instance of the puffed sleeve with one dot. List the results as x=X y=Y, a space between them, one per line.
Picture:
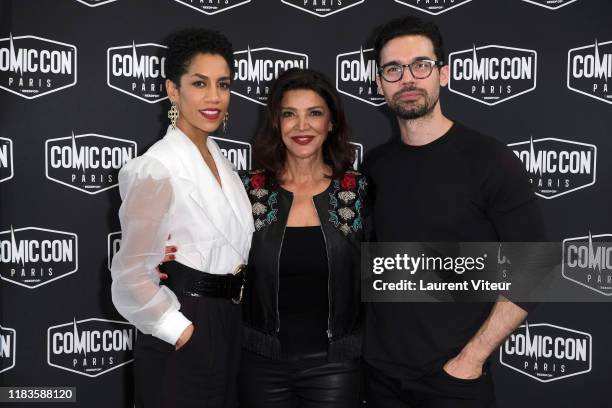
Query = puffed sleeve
x=146 y=191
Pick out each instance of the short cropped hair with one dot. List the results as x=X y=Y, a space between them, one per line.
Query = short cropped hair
x=186 y=44
x=408 y=25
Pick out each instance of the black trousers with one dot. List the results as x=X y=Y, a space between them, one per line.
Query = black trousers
x=303 y=381
x=437 y=390
x=200 y=374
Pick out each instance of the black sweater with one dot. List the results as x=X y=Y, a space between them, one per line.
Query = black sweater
x=462 y=187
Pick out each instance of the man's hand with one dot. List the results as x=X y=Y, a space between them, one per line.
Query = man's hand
x=185 y=336
x=461 y=367
x=503 y=319
x=168 y=256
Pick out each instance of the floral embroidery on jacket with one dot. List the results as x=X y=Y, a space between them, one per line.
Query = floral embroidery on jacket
x=346 y=202
x=262 y=200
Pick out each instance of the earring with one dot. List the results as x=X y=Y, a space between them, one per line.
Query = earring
x=173 y=115
x=225 y=119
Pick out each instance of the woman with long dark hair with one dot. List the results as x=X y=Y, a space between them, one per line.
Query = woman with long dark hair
x=302 y=300
x=185 y=193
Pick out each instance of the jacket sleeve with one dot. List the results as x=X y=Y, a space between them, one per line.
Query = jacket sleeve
x=366 y=196
x=146 y=190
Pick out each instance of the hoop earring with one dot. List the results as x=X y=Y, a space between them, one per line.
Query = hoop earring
x=173 y=115
x=225 y=120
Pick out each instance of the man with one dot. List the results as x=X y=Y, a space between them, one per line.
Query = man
x=441 y=182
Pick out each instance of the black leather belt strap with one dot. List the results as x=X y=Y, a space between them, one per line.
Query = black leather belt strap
x=183 y=280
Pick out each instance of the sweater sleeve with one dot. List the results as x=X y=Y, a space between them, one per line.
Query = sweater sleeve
x=515 y=214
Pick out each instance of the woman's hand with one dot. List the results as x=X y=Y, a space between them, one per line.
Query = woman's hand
x=168 y=256
x=185 y=336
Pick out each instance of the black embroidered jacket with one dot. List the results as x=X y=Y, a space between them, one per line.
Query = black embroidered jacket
x=343 y=215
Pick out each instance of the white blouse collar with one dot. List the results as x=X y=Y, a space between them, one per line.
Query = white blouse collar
x=227 y=207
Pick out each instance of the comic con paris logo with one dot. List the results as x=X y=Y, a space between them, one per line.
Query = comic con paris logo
x=433 y=7
x=33 y=66
x=89 y=163
x=256 y=68
x=6 y=159
x=492 y=74
x=31 y=257
x=8 y=338
x=322 y=8
x=556 y=166
x=546 y=352
x=91 y=347
x=551 y=4
x=356 y=76
x=137 y=70
x=587 y=261
x=96 y=3
x=589 y=70
x=211 y=7
x=238 y=153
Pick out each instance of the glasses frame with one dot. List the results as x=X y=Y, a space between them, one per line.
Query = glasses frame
x=434 y=63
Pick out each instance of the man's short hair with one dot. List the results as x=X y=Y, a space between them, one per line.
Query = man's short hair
x=408 y=25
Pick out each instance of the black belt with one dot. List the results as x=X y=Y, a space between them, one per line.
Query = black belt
x=183 y=280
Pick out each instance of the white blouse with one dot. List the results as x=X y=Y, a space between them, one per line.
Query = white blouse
x=171 y=197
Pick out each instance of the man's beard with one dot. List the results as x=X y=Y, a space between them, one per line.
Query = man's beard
x=415 y=109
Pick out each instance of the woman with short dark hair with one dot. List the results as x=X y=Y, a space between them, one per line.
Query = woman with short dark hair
x=185 y=193
x=302 y=295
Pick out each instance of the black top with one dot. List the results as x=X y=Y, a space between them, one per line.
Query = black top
x=303 y=299
x=462 y=187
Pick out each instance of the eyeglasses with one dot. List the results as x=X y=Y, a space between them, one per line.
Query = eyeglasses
x=419 y=69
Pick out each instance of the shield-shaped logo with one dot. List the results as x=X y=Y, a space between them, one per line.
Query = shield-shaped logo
x=212 y=7
x=551 y=4
x=33 y=66
x=546 y=352
x=6 y=159
x=356 y=76
x=238 y=153
x=138 y=70
x=492 y=74
x=89 y=163
x=255 y=69
x=322 y=8
x=91 y=347
x=587 y=261
x=589 y=69
x=95 y=3
x=32 y=257
x=433 y=7
x=8 y=338
x=556 y=166
x=112 y=246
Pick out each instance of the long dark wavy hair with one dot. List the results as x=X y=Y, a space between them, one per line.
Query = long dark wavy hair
x=268 y=147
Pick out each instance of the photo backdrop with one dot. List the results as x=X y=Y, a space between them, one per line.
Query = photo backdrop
x=81 y=93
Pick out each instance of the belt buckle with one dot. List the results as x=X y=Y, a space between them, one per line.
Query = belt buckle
x=239 y=268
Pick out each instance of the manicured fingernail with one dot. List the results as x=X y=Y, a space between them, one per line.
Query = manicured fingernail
x=172 y=257
x=173 y=249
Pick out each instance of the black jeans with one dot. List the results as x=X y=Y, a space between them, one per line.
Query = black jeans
x=203 y=372
x=303 y=381
x=437 y=390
